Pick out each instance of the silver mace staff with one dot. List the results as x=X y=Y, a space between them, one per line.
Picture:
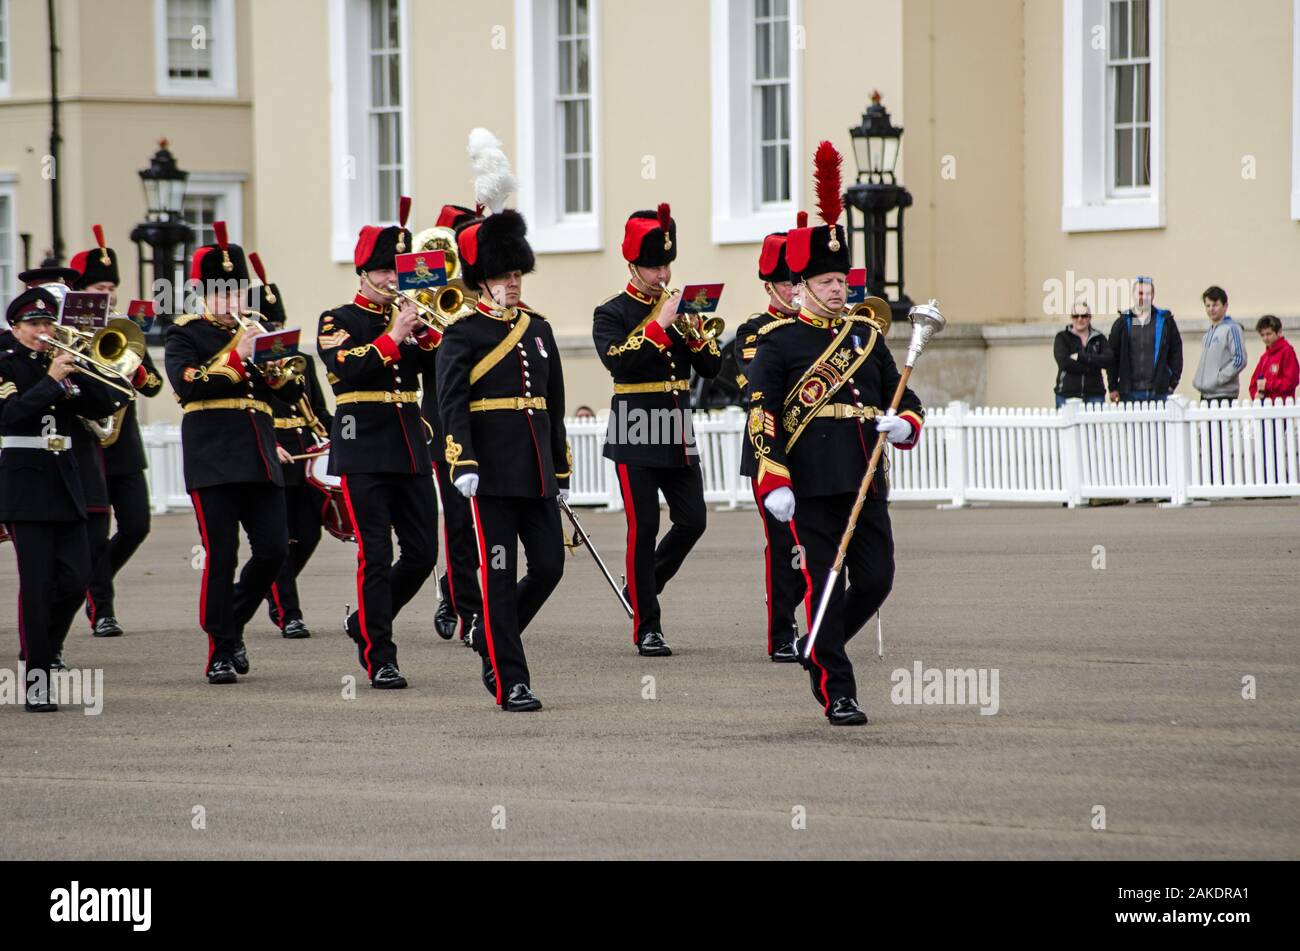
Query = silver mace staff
x=926 y=322
x=580 y=537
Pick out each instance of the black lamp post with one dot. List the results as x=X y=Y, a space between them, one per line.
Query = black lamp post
x=874 y=196
x=163 y=230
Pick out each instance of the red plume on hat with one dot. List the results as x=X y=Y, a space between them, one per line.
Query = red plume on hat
x=827 y=179
x=104 y=259
x=223 y=242
x=403 y=213
x=665 y=223
x=256 y=260
x=801 y=220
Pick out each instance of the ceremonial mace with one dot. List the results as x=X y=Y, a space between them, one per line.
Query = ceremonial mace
x=926 y=322
x=580 y=537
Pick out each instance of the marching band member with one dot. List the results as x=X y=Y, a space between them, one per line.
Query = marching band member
x=42 y=502
x=501 y=397
x=460 y=600
x=373 y=357
x=815 y=383
x=297 y=425
x=126 y=491
x=231 y=460
x=650 y=434
x=786 y=575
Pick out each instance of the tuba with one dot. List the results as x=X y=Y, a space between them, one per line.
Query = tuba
x=440 y=307
x=875 y=311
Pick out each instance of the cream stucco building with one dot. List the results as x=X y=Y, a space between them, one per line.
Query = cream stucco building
x=1054 y=148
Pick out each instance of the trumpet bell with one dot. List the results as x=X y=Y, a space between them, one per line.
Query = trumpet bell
x=713 y=328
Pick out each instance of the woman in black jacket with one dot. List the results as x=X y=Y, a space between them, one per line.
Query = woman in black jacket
x=1081 y=354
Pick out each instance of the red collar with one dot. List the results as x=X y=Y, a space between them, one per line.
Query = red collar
x=632 y=291
x=489 y=309
x=774 y=311
x=366 y=304
x=814 y=320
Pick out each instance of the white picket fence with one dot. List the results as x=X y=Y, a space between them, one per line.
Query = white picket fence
x=1175 y=451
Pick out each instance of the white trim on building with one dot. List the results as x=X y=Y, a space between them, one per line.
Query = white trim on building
x=1090 y=201
x=214 y=27
x=10 y=244
x=1295 y=113
x=6 y=60
x=225 y=190
x=740 y=215
x=539 y=135
x=353 y=181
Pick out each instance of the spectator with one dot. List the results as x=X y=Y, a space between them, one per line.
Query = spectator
x=1277 y=374
x=1223 y=354
x=1146 y=348
x=584 y=412
x=1082 y=352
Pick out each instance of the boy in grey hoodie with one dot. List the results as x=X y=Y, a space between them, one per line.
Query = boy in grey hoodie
x=1223 y=354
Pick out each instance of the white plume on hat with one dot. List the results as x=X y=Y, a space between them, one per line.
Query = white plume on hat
x=494 y=179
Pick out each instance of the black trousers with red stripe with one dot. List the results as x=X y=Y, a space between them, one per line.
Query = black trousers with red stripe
x=53 y=568
x=651 y=567
x=303 y=505
x=460 y=582
x=129 y=495
x=786 y=578
x=98 y=525
x=382 y=504
x=226 y=605
x=860 y=590
x=509 y=604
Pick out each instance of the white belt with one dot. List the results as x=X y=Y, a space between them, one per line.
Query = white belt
x=55 y=443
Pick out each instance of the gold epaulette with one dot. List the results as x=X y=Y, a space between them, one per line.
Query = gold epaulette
x=783 y=322
x=184 y=319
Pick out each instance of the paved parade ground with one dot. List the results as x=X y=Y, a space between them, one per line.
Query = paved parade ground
x=1119 y=687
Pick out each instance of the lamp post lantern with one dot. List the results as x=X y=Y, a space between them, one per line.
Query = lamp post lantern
x=876 y=194
x=164 y=230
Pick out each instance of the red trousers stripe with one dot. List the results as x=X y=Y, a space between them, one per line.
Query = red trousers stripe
x=630 y=559
x=483 y=580
x=203 y=585
x=361 y=576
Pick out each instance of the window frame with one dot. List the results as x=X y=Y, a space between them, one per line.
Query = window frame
x=228 y=189
x=1088 y=202
x=9 y=194
x=224 y=83
x=6 y=57
x=352 y=197
x=538 y=134
x=738 y=215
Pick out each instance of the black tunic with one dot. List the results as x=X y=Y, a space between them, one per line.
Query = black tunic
x=516 y=452
x=221 y=446
x=649 y=356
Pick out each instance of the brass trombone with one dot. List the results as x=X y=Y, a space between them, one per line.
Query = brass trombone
x=111 y=354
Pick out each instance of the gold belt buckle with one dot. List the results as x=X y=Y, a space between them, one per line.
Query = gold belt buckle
x=522 y=403
x=58 y=443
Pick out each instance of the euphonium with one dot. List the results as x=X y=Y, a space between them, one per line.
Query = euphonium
x=874 y=311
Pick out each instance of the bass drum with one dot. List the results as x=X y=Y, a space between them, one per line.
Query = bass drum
x=334 y=510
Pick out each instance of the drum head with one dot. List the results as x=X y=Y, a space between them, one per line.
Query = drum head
x=318 y=471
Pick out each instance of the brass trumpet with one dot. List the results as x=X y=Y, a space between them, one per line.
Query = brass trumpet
x=710 y=329
x=110 y=355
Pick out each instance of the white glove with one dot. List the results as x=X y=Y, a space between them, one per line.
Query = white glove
x=780 y=502
x=895 y=428
x=564 y=495
x=467 y=485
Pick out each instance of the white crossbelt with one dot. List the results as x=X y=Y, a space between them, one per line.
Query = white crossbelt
x=54 y=443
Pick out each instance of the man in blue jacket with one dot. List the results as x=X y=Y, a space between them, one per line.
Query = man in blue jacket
x=1147 y=348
